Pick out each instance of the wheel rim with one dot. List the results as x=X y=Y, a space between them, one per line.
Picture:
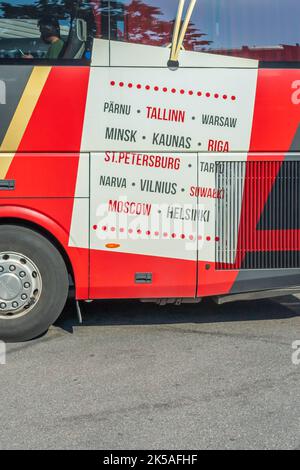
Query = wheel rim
x=20 y=285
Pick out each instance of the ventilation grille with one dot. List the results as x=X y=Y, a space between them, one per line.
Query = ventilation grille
x=258 y=221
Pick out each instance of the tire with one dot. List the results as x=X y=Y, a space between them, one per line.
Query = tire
x=45 y=270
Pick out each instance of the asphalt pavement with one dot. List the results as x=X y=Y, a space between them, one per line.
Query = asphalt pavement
x=140 y=376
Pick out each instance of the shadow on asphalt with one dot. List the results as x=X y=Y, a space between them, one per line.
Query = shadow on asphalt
x=109 y=313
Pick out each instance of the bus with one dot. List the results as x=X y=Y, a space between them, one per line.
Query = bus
x=148 y=150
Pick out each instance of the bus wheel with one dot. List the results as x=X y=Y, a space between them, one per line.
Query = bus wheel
x=33 y=283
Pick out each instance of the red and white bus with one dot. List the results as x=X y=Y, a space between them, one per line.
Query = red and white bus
x=148 y=150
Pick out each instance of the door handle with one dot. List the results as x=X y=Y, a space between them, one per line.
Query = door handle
x=7 y=185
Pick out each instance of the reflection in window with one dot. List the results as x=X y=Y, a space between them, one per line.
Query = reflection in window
x=149 y=22
x=266 y=30
x=259 y=29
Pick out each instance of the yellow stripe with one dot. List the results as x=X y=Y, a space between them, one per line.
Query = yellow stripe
x=22 y=116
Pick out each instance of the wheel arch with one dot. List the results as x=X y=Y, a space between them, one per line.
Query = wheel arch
x=43 y=225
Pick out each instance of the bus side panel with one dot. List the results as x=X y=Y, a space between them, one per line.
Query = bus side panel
x=45 y=175
x=132 y=229
x=143 y=118
x=53 y=215
x=277 y=113
x=40 y=155
x=113 y=276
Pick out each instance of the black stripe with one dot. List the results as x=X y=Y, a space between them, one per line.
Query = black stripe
x=279 y=65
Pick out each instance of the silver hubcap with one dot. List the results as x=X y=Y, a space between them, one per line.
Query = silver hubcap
x=20 y=285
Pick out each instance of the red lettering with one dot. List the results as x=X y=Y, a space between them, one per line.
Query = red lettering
x=218 y=146
x=132 y=208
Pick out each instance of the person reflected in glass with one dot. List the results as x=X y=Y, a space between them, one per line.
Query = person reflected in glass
x=50 y=34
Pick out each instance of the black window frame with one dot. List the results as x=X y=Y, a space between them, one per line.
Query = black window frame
x=52 y=62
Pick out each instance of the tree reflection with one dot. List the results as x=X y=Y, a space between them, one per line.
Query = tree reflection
x=146 y=24
x=37 y=9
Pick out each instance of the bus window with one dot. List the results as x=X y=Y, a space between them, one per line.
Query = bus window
x=148 y=22
x=53 y=30
x=265 y=30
